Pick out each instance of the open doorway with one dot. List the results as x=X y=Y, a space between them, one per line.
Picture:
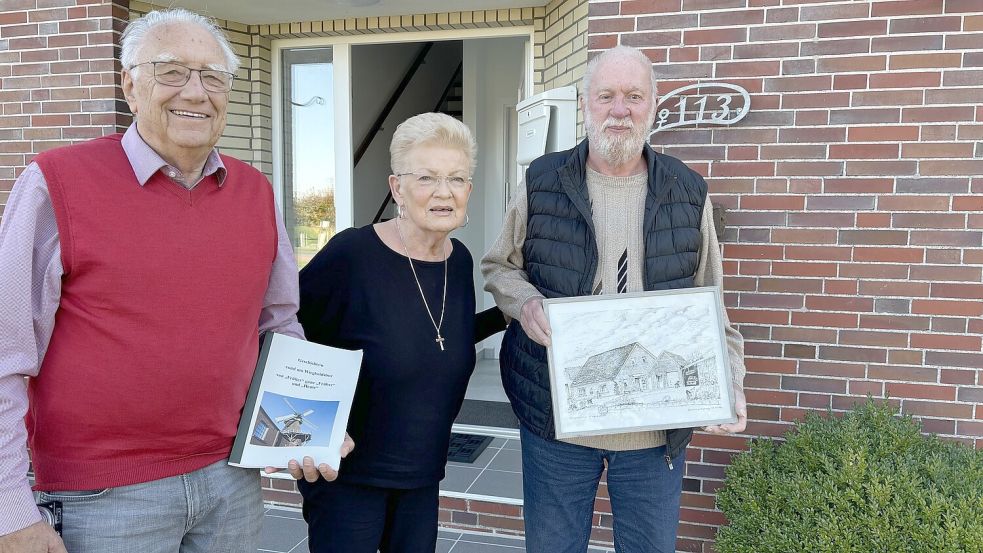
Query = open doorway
x=479 y=81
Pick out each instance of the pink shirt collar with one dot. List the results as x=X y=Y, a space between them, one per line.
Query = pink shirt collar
x=145 y=161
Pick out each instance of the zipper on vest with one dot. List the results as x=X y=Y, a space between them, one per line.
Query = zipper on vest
x=668 y=451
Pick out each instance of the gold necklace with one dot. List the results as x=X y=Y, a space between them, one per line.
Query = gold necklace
x=443 y=301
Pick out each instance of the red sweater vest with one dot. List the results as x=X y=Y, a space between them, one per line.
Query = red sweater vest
x=155 y=339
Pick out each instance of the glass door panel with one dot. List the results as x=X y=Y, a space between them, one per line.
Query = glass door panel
x=309 y=172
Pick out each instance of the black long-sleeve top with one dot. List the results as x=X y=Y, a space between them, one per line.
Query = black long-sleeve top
x=357 y=293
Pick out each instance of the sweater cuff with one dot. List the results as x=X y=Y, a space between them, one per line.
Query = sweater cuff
x=522 y=301
x=19 y=510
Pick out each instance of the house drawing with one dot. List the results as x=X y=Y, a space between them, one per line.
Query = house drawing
x=632 y=374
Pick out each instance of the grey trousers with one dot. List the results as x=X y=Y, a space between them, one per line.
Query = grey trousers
x=216 y=509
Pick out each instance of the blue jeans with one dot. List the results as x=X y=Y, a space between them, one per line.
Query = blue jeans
x=559 y=483
x=216 y=509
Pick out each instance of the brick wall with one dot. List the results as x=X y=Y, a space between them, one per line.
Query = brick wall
x=854 y=247
x=59 y=81
x=561 y=44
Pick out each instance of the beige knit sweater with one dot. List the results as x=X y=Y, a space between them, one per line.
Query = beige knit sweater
x=618 y=206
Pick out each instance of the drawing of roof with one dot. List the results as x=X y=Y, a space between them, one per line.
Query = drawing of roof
x=668 y=361
x=607 y=365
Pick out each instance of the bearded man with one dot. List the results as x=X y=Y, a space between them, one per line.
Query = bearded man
x=610 y=216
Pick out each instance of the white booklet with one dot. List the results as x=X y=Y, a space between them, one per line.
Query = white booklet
x=298 y=404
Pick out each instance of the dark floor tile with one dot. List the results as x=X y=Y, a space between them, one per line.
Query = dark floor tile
x=281 y=533
x=448 y=534
x=284 y=513
x=493 y=539
x=459 y=478
x=507 y=459
x=472 y=547
x=512 y=443
x=498 y=483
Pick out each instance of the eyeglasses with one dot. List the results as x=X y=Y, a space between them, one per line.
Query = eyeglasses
x=423 y=179
x=169 y=73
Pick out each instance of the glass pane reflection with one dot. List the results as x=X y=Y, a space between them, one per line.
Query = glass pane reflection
x=308 y=146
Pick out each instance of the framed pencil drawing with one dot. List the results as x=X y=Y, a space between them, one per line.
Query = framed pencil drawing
x=645 y=361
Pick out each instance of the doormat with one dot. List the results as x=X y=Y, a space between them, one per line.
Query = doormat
x=465 y=448
x=497 y=414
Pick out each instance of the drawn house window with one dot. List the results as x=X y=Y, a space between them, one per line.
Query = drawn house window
x=260 y=431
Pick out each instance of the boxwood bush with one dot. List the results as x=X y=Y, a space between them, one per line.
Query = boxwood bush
x=866 y=482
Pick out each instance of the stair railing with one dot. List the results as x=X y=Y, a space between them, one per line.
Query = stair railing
x=377 y=126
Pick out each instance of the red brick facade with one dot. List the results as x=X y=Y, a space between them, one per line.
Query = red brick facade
x=59 y=77
x=854 y=195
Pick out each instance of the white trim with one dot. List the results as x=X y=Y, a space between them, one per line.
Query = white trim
x=344 y=192
x=443 y=493
x=282 y=475
x=528 y=85
x=469 y=532
x=479 y=497
x=496 y=432
x=277 y=127
x=342 y=106
x=407 y=36
x=278 y=507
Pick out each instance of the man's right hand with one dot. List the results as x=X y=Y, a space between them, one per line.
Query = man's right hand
x=534 y=322
x=36 y=538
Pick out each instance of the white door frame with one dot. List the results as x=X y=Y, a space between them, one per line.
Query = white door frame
x=341 y=58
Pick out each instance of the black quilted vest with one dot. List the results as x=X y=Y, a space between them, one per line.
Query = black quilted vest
x=560 y=255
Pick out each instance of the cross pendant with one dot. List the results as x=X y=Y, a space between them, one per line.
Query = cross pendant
x=440 y=341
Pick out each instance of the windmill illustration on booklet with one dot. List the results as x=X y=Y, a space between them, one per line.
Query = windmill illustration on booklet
x=288 y=421
x=291 y=429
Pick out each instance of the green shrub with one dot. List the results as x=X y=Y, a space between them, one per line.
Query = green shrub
x=867 y=482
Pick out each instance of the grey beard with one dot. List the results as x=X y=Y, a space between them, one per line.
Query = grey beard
x=618 y=150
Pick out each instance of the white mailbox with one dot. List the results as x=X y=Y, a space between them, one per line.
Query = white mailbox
x=547 y=123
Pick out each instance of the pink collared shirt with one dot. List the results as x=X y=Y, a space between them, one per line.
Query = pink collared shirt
x=30 y=291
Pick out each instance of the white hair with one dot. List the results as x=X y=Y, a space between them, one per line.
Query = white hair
x=616 y=52
x=430 y=128
x=138 y=29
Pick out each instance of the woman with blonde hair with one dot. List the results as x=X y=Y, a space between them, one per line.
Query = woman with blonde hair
x=403 y=292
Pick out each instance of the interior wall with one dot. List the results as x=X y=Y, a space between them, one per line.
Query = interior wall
x=377 y=70
x=492 y=76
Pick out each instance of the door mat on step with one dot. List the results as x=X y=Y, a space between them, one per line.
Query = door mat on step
x=465 y=448
x=496 y=414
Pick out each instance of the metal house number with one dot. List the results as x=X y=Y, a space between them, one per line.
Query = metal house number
x=702 y=104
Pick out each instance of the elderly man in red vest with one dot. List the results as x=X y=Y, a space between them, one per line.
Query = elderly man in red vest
x=137 y=273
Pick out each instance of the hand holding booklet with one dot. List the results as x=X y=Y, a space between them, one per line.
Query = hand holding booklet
x=298 y=404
